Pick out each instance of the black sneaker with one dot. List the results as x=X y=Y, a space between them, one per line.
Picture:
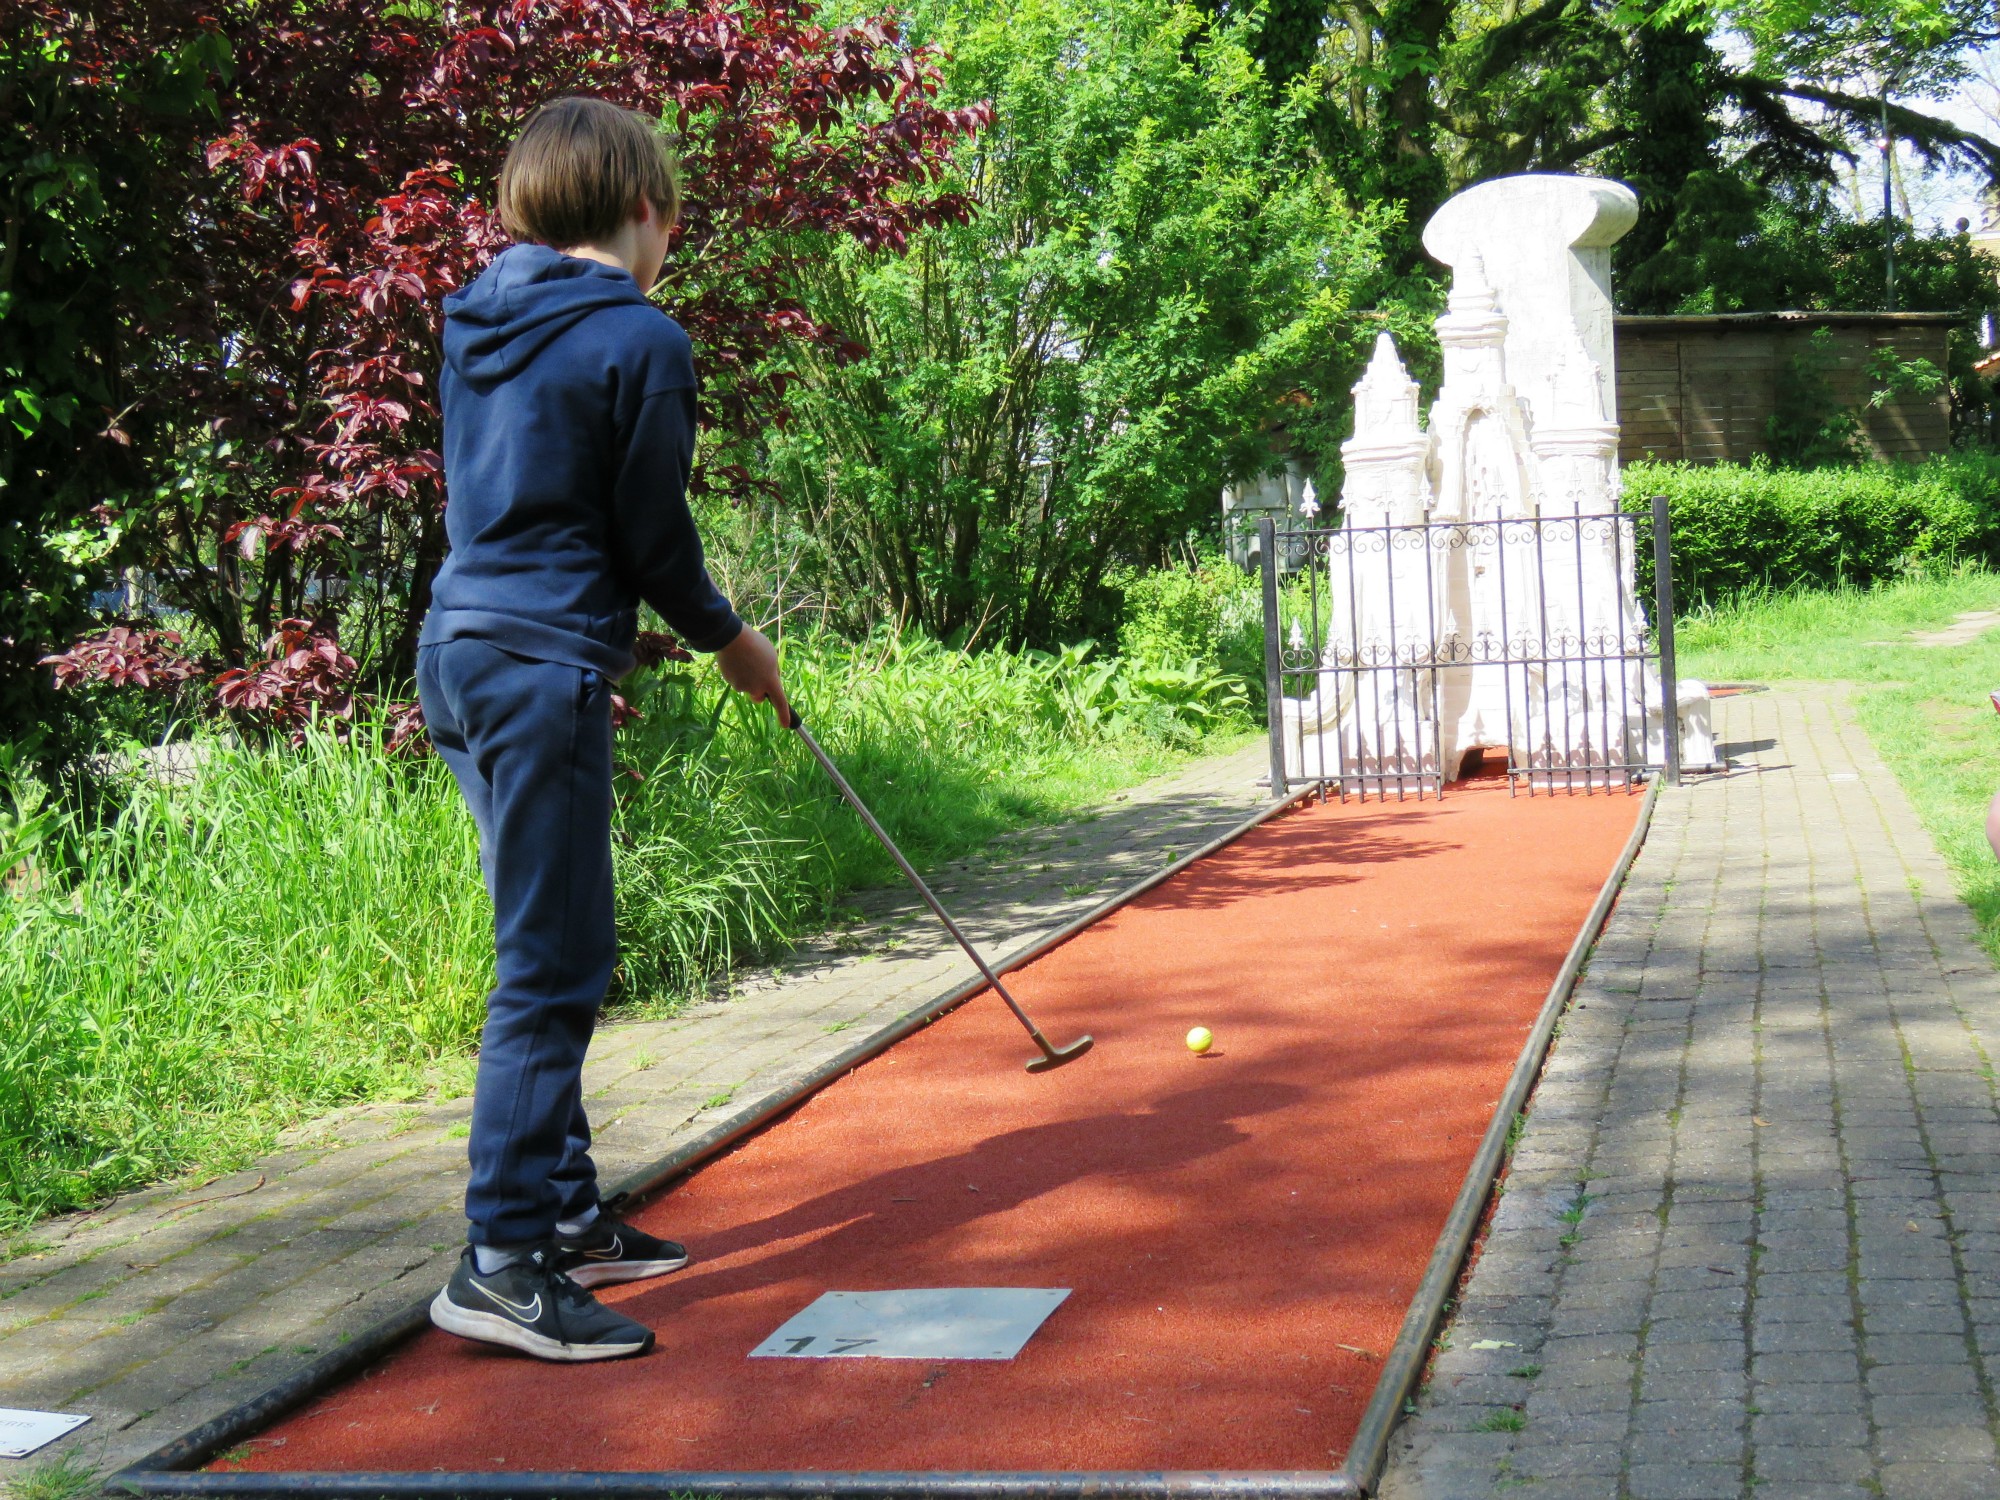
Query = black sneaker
x=610 y=1251
x=533 y=1307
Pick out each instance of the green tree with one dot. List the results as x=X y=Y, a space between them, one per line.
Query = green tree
x=1691 y=200
x=1160 y=275
x=1859 y=57
x=101 y=302
x=1916 y=47
x=1421 y=97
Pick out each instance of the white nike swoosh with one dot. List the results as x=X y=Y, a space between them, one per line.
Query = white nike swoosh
x=617 y=1249
x=526 y=1313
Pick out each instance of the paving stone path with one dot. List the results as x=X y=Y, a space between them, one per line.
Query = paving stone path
x=169 y=1306
x=1750 y=1242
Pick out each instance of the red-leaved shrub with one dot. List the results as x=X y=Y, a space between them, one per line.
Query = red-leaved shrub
x=126 y=656
x=346 y=192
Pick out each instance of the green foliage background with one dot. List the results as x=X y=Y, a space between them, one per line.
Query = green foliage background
x=1162 y=276
x=100 y=301
x=1193 y=218
x=1741 y=529
x=1201 y=608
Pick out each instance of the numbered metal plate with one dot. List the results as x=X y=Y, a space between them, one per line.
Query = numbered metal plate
x=22 y=1432
x=946 y=1322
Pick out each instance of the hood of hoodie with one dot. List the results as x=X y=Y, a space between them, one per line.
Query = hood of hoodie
x=529 y=296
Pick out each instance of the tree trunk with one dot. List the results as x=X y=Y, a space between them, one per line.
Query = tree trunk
x=1412 y=37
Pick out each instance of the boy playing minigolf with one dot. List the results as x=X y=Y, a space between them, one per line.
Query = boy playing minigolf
x=569 y=431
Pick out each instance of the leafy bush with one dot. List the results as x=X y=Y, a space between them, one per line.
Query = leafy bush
x=1187 y=609
x=1204 y=609
x=1808 y=427
x=103 y=305
x=1175 y=702
x=269 y=931
x=1738 y=527
x=1161 y=270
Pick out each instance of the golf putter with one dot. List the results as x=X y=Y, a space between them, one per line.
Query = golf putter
x=1052 y=1056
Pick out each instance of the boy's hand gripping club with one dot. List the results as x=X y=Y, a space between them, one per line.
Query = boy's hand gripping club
x=1052 y=1056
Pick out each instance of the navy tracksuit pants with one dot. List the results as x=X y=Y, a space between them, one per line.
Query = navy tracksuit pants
x=530 y=745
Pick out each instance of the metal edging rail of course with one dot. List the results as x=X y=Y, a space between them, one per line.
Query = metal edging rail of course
x=173 y=1470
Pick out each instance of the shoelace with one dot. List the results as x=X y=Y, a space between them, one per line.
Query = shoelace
x=552 y=1280
x=564 y=1294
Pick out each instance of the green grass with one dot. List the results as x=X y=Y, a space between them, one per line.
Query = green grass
x=298 y=929
x=1925 y=708
x=64 y=1477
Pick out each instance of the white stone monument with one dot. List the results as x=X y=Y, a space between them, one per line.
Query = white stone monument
x=1441 y=640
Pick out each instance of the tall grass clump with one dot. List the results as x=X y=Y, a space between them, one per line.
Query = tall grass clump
x=265 y=932
x=272 y=930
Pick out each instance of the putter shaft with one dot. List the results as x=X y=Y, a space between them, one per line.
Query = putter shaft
x=1050 y=1055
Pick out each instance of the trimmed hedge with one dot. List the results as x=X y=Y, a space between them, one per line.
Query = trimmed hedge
x=1752 y=527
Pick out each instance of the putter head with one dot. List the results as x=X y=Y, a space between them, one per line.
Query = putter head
x=1060 y=1055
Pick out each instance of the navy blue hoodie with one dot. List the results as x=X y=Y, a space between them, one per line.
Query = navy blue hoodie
x=569 y=424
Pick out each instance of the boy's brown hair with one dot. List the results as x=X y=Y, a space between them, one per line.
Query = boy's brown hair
x=577 y=171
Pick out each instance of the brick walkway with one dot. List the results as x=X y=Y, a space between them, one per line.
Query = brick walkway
x=169 y=1306
x=1749 y=1241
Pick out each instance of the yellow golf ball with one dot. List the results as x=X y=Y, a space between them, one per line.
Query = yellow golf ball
x=1200 y=1039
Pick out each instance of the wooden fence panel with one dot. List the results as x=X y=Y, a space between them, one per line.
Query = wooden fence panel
x=1704 y=389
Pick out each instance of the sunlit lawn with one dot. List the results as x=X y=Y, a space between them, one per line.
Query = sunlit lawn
x=1925 y=707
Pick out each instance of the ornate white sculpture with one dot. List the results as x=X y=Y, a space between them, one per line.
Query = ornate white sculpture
x=1443 y=640
x=1386 y=486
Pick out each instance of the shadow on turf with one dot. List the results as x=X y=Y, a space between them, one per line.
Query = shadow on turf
x=908 y=1206
x=1299 y=853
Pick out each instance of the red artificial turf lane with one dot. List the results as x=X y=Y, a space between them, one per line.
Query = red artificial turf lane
x=1243 y=1232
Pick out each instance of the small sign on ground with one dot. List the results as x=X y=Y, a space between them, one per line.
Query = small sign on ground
x=22 y=1432
x=947 y=1322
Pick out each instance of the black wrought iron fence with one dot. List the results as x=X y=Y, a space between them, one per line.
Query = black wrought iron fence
x=1394 y=652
